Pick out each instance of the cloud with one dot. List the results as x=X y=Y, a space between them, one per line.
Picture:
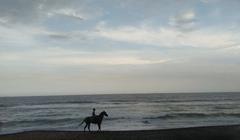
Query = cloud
x=170 y=37
x=67 y=37
x=18 y=36
x=67 y=57
x=205 y=1
x=59 y=36
x=184 y=21
x=34 y=12
x=72 y=13
x=19 y=11
x=3 y=20
x=32 y=36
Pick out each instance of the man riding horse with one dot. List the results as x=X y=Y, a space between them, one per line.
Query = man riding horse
x=94 y=119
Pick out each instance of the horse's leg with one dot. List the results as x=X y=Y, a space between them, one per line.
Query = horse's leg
x=89 y=127
x=85 y=127
x=99 y=127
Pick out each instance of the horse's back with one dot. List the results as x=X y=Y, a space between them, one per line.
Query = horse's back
x=91 y=119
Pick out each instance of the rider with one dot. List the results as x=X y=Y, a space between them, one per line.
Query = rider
x=93 y=113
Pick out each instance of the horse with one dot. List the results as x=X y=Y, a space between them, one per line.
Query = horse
x=94 y=120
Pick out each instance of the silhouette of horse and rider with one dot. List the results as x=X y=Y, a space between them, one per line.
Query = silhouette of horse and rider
x=94 y=119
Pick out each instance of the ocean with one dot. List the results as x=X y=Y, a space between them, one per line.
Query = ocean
x=126 y=111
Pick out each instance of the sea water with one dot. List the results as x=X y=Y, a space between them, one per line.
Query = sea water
x=126 y=111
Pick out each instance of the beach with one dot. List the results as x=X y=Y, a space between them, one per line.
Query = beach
x=195 y=133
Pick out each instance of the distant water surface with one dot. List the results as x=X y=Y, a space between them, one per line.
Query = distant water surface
x=126 y=112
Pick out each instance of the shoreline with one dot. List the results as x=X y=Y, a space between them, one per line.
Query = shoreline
x=227 y=132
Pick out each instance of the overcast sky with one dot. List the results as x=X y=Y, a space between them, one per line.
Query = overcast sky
x=52 y=47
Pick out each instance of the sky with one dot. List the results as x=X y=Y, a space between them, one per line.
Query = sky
x=53 y=47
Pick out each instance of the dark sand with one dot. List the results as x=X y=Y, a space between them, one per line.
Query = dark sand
x=197 y=133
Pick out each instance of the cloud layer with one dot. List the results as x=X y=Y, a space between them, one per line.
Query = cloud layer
x=118 y=46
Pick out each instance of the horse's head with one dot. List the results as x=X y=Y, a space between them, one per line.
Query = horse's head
x=104 y=113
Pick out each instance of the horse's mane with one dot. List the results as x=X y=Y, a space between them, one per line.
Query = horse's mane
x=101 y=113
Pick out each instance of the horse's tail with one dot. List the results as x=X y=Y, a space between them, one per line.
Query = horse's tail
x=82 y=122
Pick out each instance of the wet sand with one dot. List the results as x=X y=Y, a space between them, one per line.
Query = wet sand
x=196 y=133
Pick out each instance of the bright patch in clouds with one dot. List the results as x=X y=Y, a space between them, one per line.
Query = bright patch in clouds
x=65 y=57
x=101 y=61
x=168 y=37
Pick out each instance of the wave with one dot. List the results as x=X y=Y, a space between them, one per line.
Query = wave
x=64 y=102
x=48 y=103
x=3 y=105
x=116 y=118
x=43 y=121
x=49 y=121
x=194 y=115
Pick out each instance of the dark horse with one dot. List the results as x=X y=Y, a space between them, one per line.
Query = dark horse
x=95 y=120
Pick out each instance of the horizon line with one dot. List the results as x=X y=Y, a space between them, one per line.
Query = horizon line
x=136 y=93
